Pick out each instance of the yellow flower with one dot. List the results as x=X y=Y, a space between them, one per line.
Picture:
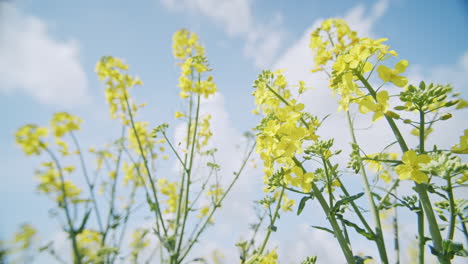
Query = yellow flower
x=392 y=75
x=462 y=146
x=117 y=83
x=29 y=137
x=170 y=190
x=203 y=211
x=140 y=137
x=410 y=167
x=379 y=108
x=63 y=123
x=270 y=258
x=89 y=243
x=287 y=204
x=178 y=114
x=25 y=236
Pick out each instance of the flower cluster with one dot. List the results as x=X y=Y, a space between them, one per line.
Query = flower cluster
x=29 y=137
x=63 y=123
x=193 y=65
x=50 y=183
x=283 y=132
x=350 y=58
x=169 y=189
x=117 y=82
x=140 y=139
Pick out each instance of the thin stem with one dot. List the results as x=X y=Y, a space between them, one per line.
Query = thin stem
x=421 y=189
x=88 y=182
x=113 y=191
x=184 y=174
x=175 y=152
x=463 y=226
x=396 y=238
x=374 y=210
x=421 y=238
x=272 y=222
x=453 y=213
x=329 y=182
x=189 y=174
x=389 y=192
x=317 y=193
x=216 y=206
x=356 y=209
x=391 y=122
x=71 y=231
x=148 y=171
x=331 y=218
x=257 y=227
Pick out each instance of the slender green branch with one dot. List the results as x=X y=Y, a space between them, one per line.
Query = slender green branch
x=317 y=193
x=113 y=191
x=148 y=171
x=421 y=236
x=88 y=182
x=453 y=213
x=329 y=182
x=189 y=174
x=379 y=239
x=463 y=226
x=71 y=231
x=184 y=175
x=216 y=206
x=356 y=209
x=421 y=189
x=396 y=237
x=175 y=152
x=272 y=222
x=331 y=218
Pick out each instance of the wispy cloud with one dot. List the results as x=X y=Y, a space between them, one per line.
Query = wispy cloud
x=262 y=40
x=34 y=63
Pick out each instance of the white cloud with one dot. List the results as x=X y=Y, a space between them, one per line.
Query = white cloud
x=263 y=40
x=35 y=63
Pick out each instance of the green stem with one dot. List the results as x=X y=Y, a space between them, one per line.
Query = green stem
x=316 y=191
x=148 y=171
x=396 y=236
x=421 y=238
x=189 y=174
x=272 y=222
x=374 y=210
x=331 y=218
x=356 y=209
x=88 y=182
x=216 y=206
x=420 y=188
x=453 y=213
x=71 y=231
x=173 y=258
x=329 y=182
x=463 y=226
x=110 y=214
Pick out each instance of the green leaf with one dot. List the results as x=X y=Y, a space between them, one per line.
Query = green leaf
x=324 y=229
x=83 y=223
x=150 y=203
x=358 y=229
x=302 y=204
x=345 y=201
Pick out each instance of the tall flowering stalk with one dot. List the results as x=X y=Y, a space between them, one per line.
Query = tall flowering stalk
x=182 y=207
x=288 y=142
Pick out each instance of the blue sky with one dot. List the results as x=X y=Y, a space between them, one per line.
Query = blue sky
x=48 y=50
